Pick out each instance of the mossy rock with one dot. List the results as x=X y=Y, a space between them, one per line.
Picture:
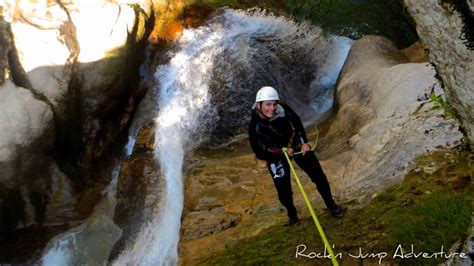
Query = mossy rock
x=428 y=210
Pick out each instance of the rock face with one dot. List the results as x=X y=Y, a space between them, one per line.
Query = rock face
x=229 y=196
x=384 y=119
x=83 y=83
x=138 y=189
x=84 y=70
x=440 y=25
x=24 y=120
x=26 y=137
x=68 y=86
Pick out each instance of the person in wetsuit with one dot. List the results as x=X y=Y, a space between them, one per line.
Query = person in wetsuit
x=273 y=126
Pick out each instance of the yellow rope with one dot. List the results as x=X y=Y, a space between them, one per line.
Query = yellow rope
x=308 y=204
x=317 y=136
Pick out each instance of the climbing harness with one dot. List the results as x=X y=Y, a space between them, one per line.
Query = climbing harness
x=310 y=208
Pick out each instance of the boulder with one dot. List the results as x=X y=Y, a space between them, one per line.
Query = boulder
x=446 y=31
x=385 y=119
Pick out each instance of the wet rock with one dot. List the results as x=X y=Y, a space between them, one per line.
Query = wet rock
x=68 y=87
x=193 y=16
x=381 y=126
x=138 y=190
x=92 y=240
x=88 y=75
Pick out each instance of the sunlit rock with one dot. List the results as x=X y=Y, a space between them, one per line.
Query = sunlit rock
x=65 y=96
x=445 y=29
x=23 y=121
x=385 y=119
x=25 y=139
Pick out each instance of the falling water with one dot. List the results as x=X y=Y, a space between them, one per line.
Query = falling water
x=92 y=241
x=205 y=92
x=184 y=97
x=210 y=81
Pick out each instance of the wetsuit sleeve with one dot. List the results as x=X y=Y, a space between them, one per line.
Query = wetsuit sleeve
x=262 y=146
x=300 y=133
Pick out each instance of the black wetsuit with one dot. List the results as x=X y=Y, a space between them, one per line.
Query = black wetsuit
x=269 y=136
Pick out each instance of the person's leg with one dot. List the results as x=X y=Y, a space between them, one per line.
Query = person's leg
x=281 y=178
x=310 y=164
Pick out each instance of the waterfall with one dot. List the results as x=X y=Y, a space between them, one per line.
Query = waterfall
x=183 y=98
x=91 y=242
x=204 y=93
x=215 y=71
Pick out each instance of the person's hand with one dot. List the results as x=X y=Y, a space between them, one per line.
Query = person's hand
x=290 y=152
x=305 y=148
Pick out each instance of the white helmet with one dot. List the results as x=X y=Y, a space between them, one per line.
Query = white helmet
x=267 y=93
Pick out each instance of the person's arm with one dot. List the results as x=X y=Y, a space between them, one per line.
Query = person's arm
x=261 y=146
x=300 y=133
